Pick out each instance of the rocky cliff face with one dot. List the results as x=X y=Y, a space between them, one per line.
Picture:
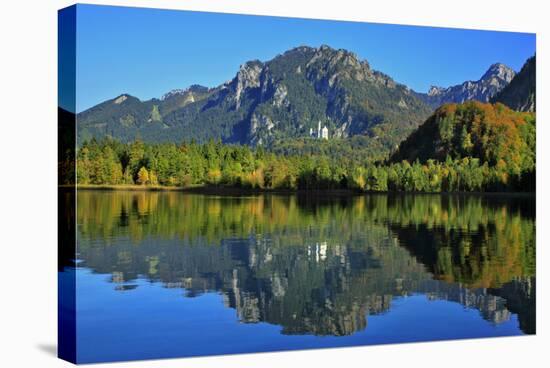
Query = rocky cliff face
x=493 y=81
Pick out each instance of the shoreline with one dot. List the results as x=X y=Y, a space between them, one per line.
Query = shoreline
x=220 y=190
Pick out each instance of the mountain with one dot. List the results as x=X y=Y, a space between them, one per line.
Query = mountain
x=125 y=114
x=520 y=94
x=491 y=133
x=493 y=81
x=283 y=98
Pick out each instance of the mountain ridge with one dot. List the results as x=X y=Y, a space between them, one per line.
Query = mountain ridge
x=495 y=78
x=279 y=98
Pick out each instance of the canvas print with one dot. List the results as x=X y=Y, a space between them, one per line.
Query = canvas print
x=236 y=184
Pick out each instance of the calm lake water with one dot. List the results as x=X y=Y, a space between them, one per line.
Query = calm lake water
x=168 y=274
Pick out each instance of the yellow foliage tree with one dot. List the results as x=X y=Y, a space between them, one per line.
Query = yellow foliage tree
x=214 y=176
x=143 y=176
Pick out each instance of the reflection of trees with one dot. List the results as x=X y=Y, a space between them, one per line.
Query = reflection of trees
x=66 y=208
x=489 y=257
x=311 y=265
x=468 y=240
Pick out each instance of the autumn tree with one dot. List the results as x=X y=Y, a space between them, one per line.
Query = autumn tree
x=143 y=176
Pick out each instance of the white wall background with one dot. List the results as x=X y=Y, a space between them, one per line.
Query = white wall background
x=28 y=236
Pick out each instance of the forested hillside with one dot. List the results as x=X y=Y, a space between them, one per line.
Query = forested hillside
x=521 y=94
x=467 y=147
x=493 y=134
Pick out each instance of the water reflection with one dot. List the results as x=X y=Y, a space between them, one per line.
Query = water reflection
x=315 y=265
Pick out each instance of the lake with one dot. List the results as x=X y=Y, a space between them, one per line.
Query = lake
x=169 y=274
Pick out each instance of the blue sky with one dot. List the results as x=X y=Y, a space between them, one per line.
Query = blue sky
x=147 y=52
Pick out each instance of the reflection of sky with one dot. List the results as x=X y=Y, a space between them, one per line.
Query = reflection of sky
x=147 y=52
x=151 y=321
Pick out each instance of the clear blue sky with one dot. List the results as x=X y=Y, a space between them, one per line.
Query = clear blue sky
x=147 y=52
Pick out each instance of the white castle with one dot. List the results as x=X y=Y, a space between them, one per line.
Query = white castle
x=321 y=133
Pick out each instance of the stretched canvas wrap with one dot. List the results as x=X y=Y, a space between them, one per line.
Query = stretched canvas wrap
x=236 y=183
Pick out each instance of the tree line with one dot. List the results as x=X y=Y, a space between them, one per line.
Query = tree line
x=110 y=162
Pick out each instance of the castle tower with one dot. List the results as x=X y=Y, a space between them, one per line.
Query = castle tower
x=324 y=132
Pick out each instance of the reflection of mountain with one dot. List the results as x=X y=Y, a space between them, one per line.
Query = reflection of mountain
x=318 y=288
x=520 y=298
x=493 y=308
x=316 y=267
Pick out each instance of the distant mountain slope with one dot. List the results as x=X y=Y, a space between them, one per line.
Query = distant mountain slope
x=282 y=98
x=520 y=94
x=493 y=81
x=126 y=116
x=493 y=134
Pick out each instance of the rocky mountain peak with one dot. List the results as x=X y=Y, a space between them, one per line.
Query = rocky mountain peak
x=120 y=99
x=330 y=66
x=338 y=55
x=174 y=92
x=500 y=71
x=435 y=90
x=301 y=48
x=195 y=88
